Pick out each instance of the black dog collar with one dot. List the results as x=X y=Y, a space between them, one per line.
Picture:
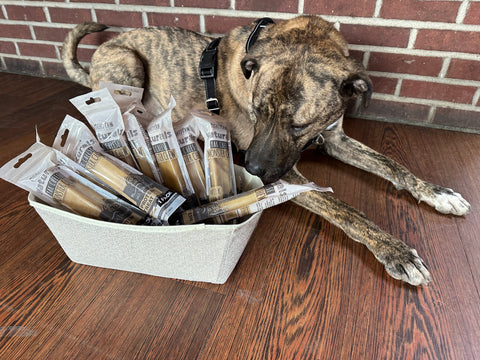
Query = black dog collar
x=208 y=64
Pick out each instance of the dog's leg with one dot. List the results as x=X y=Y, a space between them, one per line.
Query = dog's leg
x=353 y=152
x=400 y=261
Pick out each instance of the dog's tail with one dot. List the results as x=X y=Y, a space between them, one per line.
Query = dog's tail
x=69 y=51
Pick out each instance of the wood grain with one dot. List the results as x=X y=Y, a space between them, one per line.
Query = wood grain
x=301 y=289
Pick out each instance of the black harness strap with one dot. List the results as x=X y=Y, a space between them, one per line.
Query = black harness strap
x=208 y=64
x=208 y=73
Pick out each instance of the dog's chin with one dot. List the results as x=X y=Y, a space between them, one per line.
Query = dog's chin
x=270 y=177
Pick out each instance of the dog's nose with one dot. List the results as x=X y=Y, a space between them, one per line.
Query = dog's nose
x=254 y=168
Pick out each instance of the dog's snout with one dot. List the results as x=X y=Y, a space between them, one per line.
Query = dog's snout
x=254 y=168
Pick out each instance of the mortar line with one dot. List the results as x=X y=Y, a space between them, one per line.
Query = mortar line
x=445 y=66
x=301 y=5
x=398 y=87
x=431 y=114
x=378 y=8
x=412 y=38
x=476 y=97
x=47 y=14
x=462 y=11
x=4 y=11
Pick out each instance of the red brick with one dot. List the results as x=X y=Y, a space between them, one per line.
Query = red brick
x=119 y=18
x=69 y=16
x=357 y=55
x=406 y=64
x=438 y=91
x=100 y=1
x=50 y=34
x=461 y=41
x=23 y=66
x=217 y=4
x=54 y=69
x=375 y=35
x=395 y=111
x=190 y=22
x=7 y=47
x=464 y=69
x=340 y=7
x=15 y=31
x=99 y=38
x=384 y=85
x=473 y=14
x=457 y=118
x=27 y=13
x=221 y=24
x=143 y=2
x=272 y=5
x=85 y=54
x=441 y=11
x=40 y=50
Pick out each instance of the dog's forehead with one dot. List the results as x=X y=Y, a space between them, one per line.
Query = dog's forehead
x=300 y=89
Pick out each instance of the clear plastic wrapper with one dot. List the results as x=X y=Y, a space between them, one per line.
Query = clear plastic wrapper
x=167 y=153
x=76 y=141
x=218 y=158
x=105 y=117
x=39 y=171
x=140 y=142
x=193 y=157
x=125 y=96
x=245 y=203
x=129 y=100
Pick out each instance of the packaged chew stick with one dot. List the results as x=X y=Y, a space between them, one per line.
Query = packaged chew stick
x=246 y=203
x=218 y=159
x=129 y=100
x=125 y=96
x=103 y=114
x=140 y=142
x=76 y=141
x=38 y=171
x=167 y=153
x=193 y=157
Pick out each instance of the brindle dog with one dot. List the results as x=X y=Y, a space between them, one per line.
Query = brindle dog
x=291 y=86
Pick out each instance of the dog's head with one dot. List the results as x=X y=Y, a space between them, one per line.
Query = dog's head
x=300 y=79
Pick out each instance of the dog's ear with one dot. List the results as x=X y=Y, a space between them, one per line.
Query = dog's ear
x=248 y=66
x=358 y=84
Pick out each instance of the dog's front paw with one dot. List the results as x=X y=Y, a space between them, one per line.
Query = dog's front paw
x=446 y=201
x=403 y=263
x=410 y=268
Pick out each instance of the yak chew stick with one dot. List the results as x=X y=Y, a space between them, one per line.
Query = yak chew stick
x=85 y=201
x=248 y=202
x=193 y=161
x=219 y=170
x=153 y=198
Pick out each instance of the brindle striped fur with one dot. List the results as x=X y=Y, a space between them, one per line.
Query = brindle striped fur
x=292 y=85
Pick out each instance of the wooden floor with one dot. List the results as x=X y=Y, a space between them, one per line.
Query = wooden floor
x=301 y=289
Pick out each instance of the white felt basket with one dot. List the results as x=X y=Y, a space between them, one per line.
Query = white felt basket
x=199 y=252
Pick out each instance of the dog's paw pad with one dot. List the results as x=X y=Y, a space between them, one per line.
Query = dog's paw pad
x=447 y=201
x=410 y=268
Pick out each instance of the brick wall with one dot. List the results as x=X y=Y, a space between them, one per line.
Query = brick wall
x=423 y=55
